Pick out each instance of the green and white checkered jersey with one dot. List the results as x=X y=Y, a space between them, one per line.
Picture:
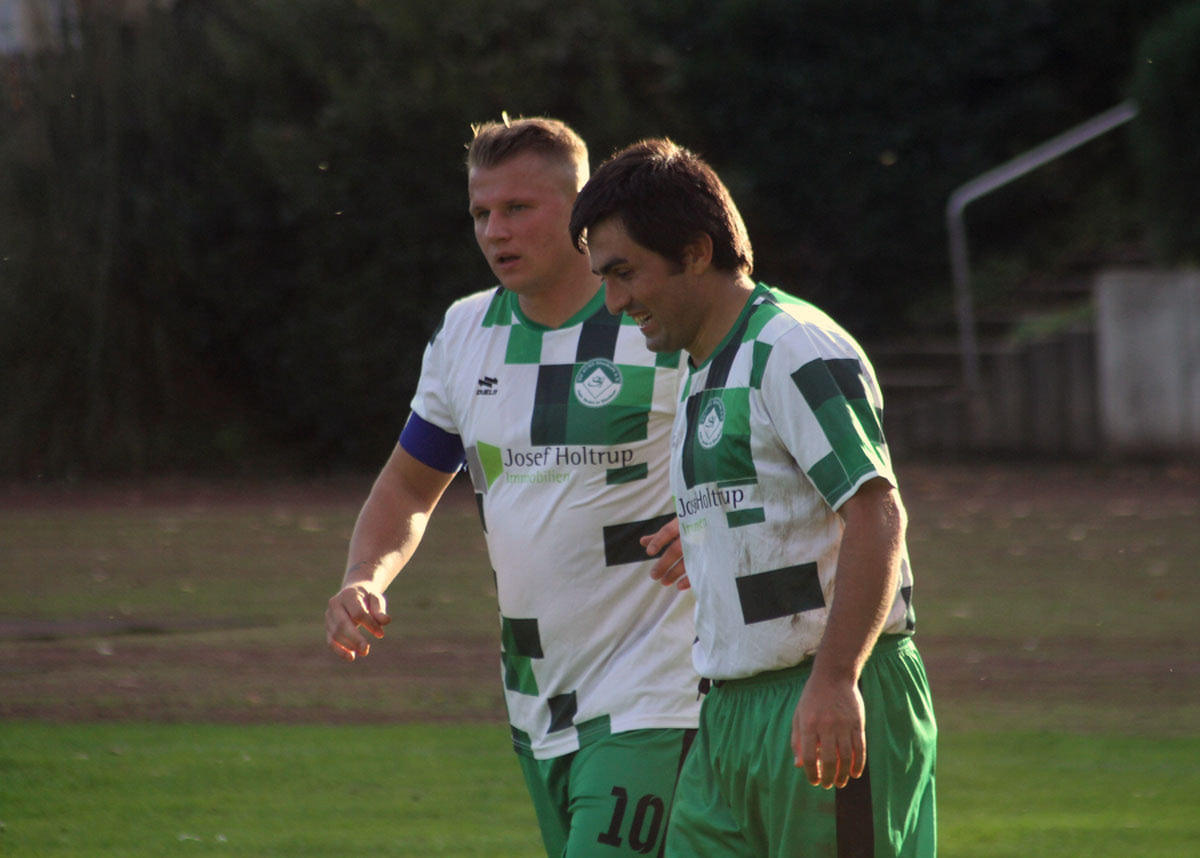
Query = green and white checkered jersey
x=567 y=436
x=774 y=432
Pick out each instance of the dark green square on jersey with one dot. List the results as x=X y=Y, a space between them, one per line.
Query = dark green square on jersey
x=591 y=402
x=520 y=643
x=835 y=390
x=716 y=446
x=524 y=345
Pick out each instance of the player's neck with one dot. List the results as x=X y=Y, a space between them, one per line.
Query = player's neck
x=724 y=299
x=557 y=303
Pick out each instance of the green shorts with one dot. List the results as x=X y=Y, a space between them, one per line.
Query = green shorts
x=740 y=794
x=610 y=798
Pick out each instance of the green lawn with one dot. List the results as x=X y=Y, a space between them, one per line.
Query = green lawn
x=1017 y=794
x=152 y=789
x=427 y=790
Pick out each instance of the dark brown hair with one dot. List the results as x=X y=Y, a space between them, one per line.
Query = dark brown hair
x=665 y=197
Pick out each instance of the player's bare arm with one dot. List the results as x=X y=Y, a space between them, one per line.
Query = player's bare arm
x=664 y=544
x=828 y=727
x=387 y=533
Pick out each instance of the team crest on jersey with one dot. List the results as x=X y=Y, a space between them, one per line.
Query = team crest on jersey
x=597 y=383
x=712 y=424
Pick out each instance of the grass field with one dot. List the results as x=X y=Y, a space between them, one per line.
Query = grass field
x=165 y=690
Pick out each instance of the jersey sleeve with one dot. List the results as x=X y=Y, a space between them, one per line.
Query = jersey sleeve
x=824 y=402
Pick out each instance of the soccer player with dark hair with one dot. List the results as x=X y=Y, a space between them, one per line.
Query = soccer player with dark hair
x=817 y=736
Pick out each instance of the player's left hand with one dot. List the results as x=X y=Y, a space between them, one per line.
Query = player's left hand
x=665 y=545
x=828 y=732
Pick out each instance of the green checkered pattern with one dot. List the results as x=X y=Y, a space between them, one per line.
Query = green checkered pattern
x=566 y=432
x=775 y=430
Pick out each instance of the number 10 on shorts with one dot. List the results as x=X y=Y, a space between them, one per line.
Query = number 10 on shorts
x=644 y=827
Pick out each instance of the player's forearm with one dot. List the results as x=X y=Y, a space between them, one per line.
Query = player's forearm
x=392 y=521
x=867 y=576
x=380 y=550
x=386 y=535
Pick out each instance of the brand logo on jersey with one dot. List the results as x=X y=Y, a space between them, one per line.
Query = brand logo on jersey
x=487 y=386
x=597 y=383
x=712 y=424
x=535 y=465
x=710 y=498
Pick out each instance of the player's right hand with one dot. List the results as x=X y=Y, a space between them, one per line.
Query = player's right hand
x=351 y=608
x=669 y=568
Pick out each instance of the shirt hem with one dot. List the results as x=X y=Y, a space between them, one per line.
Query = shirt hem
x=561 y=749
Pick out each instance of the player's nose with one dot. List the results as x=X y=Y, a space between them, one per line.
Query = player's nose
x=496 y=228
x=616 y=299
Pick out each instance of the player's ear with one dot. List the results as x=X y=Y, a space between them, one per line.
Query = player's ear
x=697 y=254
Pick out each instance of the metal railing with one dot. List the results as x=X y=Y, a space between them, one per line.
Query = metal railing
x=985 y=184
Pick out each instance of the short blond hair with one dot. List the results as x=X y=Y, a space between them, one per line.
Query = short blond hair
x=494 y=143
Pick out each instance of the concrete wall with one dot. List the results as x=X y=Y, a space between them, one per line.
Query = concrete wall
x=1148 y=360
x=1037 y=398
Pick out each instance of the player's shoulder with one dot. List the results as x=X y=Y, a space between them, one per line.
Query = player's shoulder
x=482 y=309
x=777 y=312
x=477 y=304
x=789 y=324
x=774 y=316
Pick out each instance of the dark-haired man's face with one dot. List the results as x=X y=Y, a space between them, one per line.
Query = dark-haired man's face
x=649 y=288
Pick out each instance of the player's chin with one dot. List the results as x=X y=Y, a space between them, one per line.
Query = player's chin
x=657 y=342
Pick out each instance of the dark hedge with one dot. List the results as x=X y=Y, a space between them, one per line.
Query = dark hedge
x=228 y=228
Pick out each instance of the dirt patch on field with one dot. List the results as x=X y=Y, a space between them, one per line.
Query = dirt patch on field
x=172 y=678
x=95 y=669
x=176 y=680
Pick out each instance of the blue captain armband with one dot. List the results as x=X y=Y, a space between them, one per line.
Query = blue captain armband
x=432 y=446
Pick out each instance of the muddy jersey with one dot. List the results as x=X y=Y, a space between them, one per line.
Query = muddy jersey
x=773 y=433
x=565 y=434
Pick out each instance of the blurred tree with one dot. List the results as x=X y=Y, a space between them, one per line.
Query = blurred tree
x=844 y=127
x=227 y=226
x=1167 y=134
x=78 y=385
